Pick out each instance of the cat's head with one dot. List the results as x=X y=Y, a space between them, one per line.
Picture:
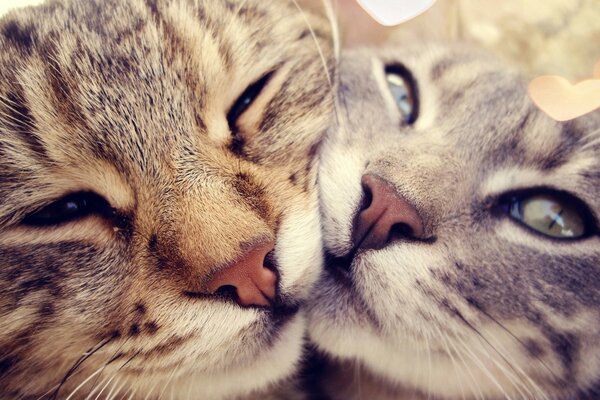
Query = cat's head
x=461 y=227
x=158 y=210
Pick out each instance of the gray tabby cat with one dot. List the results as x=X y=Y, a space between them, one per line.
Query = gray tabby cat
x=461 y=228
x=158 y=209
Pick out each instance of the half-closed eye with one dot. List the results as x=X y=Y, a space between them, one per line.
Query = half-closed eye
x=72 y=207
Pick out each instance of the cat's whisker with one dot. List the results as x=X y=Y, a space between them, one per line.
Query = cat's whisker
x=479 y=394
x=113 y=358
x=319 y=49
x=483 y=368
x=483 y=338
x=48 y=392
x=429 y=364
x=117 y=386
x=95 y=388
x=336 y=42
x=150 y=391
x=104 y=386
x=512 y=335
x=515 y=366
x=421 y=372
x=80 y=361
x=512 y=376
x=442 y=336
x=98 y=371
x=166 y=385
x=133 y=390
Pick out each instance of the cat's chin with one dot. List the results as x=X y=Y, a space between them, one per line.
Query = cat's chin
x=271 y=355
x=353 y=339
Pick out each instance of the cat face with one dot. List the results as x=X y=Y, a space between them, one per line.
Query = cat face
x=158 y=212
x=461 y=231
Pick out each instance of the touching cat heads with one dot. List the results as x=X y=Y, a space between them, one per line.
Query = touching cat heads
x=461 y=227
x=158 y=209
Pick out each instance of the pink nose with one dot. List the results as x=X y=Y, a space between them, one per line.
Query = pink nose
x=386 y=216
x=253 y=282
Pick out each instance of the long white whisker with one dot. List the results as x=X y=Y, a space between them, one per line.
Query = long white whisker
x=454 y=363
x=497 y=347
x=96 y=388
x=104 y=387
x=132 y=393
x=99 y=370
x=429 y=365
x=53 y=388
x=508 y=373
x=479 y=394
x=114 y=391
x=169 y=380
x=319 y=49
x=484 y=369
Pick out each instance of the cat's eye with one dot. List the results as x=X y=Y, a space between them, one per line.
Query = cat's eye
x=68 y=208
x=554 y=214
x=245 y=100
x=403 y=89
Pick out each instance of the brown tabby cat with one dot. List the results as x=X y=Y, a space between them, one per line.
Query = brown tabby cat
x=158 y=211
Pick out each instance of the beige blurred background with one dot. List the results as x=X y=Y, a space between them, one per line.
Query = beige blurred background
x=6 y=5
x=540 y=36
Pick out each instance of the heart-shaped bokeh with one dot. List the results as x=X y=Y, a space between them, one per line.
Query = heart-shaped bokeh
x=394 y=12
x=562 y=100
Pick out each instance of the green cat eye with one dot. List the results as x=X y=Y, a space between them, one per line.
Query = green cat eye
x=551 y=215
x=403 y=89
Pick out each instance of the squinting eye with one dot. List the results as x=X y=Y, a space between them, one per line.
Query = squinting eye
x=553 y=215
x=69 y=208
x=245 y=101
x=404 y=91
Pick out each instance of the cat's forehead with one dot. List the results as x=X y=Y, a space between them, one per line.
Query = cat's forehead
x=118 y=69
x=477 y=105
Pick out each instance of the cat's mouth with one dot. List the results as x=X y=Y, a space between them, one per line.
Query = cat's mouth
x=341 y=266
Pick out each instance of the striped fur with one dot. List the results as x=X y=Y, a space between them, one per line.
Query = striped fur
x=128 y=99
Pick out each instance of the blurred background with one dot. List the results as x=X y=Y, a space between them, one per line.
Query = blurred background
x=6 y=5
x=559 y=37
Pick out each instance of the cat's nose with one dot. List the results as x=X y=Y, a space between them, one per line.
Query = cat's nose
x=385 y=217
x=251 y=279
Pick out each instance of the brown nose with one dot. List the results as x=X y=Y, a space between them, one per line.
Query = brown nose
x=250 y=276
x=385 y=217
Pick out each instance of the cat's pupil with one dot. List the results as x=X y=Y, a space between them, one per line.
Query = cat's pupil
x=550 y=216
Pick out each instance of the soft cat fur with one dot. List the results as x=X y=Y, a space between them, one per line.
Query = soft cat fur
x=128 y=99
x=477 y=305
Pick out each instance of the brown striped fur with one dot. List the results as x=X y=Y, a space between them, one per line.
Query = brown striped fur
x=128 y=99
